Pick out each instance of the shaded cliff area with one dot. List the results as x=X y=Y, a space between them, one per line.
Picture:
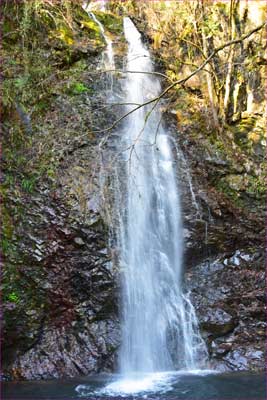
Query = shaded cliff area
x=60 y=284
x=59 y=292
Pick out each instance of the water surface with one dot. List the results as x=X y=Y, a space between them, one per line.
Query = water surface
x=232 y=386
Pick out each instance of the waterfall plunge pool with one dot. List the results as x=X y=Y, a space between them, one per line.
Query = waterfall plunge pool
x=196 y=385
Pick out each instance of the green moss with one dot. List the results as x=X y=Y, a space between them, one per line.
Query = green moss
x=13 y=297
x=241 y=131
x=79 y=13
x=257 y=186
x=92 y=29
x=113 y=23
x=63 y=33
x=28 y=184
x=77 y=88
x=241 y=190
x=223 y=186
x=74 y=87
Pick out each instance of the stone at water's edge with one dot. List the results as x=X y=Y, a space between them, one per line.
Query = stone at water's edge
x=68 y=352
x=229 y=297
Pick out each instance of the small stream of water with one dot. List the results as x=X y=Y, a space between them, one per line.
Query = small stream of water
x=108 y=54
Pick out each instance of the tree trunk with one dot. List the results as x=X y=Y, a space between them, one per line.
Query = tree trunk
x=208 y=73
x=229 y=76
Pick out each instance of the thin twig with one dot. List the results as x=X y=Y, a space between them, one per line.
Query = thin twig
x=180 y=81
x=183 y=80
x=132 y=72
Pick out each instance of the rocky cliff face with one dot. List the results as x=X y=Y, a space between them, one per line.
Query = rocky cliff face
x=224 y=260
x=64 y=320
x=60 y=293
x=61 y=299
x=68 y=323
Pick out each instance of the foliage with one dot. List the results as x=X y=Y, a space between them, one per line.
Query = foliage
x=76 y=88
x=185 y=33
x=43 y=37
x=257 y=186
x=225 y=101
x=13 y=297
x=111 y=21
x=28 y=184
x=40 y=60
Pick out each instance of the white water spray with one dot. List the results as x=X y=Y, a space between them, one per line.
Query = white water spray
x=159 y=326
x=108 y=54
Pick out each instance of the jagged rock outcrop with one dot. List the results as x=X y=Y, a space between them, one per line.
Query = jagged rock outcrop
x=65 y=322
x=228 y=293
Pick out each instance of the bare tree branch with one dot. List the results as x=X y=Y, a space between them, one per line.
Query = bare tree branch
x=183 y=80
x=133 y=72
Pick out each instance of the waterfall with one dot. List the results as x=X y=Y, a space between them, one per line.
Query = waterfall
x=108 y=54
x=160 y=335
x=159 y=325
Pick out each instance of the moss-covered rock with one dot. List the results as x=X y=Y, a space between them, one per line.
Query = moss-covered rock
x=112 y=22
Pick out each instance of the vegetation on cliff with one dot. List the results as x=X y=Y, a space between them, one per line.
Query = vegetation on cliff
x=49 y=51
x=225 y=100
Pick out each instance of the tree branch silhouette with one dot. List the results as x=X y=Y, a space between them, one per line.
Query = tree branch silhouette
x=183 y=80
x=172 y=85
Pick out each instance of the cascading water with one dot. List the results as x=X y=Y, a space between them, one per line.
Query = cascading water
x=159 y=326
x=108 y=55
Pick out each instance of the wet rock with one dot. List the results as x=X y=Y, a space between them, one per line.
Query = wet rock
x=61 y=353
x=65 y=231
x=246 y=257
x=50 y=211
x=217 y=161
x=234 y=291
x=78 y=241
x=47 y=285
x=220 y=349
x=217 y=322
x=237 y=360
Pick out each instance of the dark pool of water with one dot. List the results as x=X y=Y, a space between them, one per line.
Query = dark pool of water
x=234 y=386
